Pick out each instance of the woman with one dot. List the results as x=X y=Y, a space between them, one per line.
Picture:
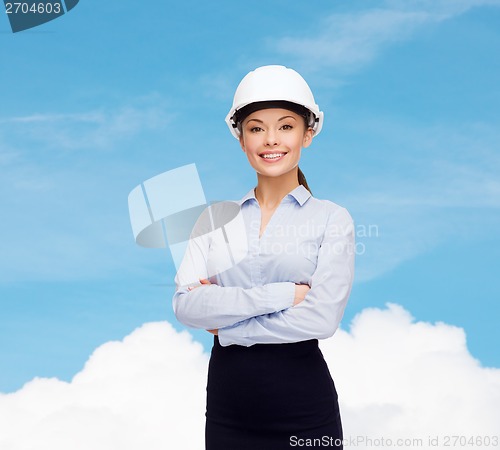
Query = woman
x=284 y=285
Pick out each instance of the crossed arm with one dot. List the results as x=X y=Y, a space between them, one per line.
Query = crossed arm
x=277 y=312
x=300 y=292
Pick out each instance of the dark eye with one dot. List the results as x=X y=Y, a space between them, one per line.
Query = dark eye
x=287 y=127
x=255 y=129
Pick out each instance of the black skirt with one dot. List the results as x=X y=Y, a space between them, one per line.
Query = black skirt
x=271 y=396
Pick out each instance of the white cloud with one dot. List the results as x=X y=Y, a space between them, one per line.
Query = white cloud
x=144 y=392
x=440 y=8
x=395 y=378
x=98 y=128
x=349 y=41
x=400 y=378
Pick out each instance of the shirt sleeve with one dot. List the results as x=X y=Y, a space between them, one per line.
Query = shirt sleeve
x=319 y=314
x=212 y=306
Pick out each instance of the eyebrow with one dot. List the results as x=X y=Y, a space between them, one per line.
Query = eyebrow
x=280 y=119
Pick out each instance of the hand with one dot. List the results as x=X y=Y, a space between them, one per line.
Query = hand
x=205 y=281
x=300 y=292
x=202 y=281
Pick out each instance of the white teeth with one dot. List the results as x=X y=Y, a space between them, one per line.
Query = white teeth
x=273 y=155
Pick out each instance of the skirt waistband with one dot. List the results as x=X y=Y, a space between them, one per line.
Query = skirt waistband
x=288 y=347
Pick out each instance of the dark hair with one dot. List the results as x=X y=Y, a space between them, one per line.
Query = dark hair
x=302 y=179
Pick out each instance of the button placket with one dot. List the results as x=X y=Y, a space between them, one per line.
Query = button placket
x=254 y=245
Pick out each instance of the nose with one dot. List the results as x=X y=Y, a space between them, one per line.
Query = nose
x=272 y=138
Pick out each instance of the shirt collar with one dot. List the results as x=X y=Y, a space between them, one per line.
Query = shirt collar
x=300 y=194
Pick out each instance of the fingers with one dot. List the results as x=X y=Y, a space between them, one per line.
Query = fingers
x=301 y=291
x=202 y=281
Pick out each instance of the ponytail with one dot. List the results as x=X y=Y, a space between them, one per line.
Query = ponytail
x=302 y=179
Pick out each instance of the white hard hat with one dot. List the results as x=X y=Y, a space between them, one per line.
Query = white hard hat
x=274 y=84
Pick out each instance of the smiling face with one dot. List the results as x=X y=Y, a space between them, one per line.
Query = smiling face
x=272 y=140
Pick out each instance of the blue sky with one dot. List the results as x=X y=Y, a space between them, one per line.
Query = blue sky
x=114 y=93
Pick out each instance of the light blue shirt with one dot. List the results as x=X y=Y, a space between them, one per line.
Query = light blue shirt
x=306 y=241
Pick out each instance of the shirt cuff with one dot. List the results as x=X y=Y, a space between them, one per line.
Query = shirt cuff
x=227 y=335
